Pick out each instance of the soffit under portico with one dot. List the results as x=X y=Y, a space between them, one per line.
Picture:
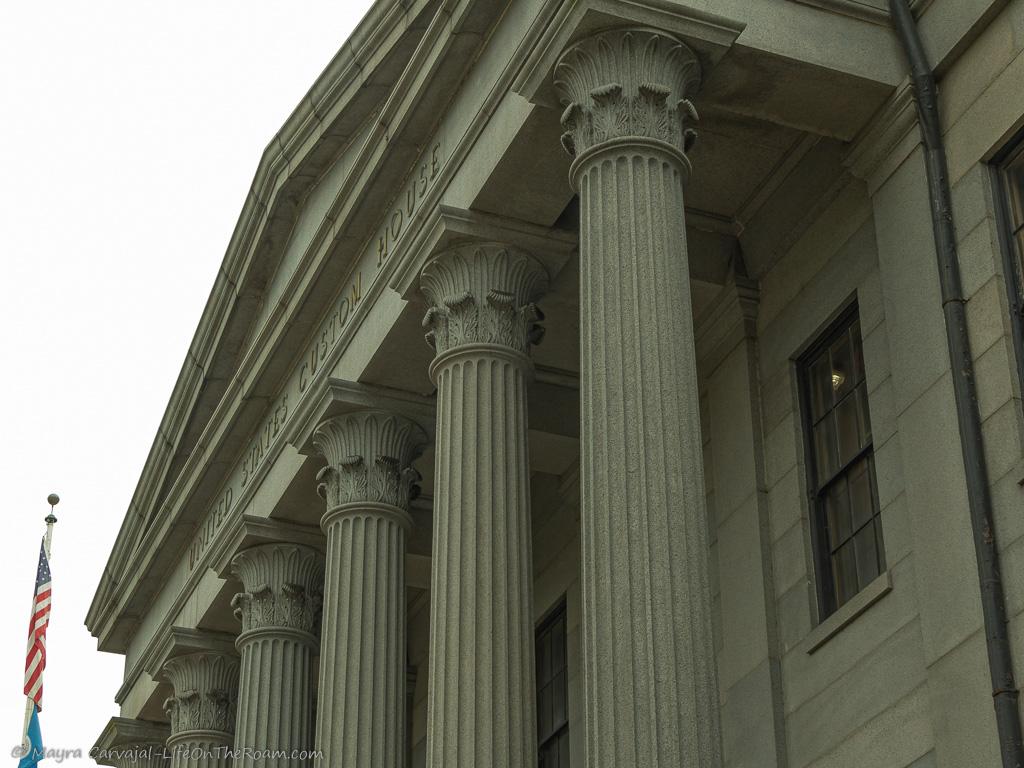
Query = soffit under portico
x=768 y=156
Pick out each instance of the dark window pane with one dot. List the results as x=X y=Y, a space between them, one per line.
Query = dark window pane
x=862 y=506
x=864 y=413
x=549 y=756
x=544 y=658
x=825 y=451
x=867 y=554
x=821 y=387
x=559 y=713
x=544 y=720
x=848 y=426
x=557 y=647
x=879 y=546
x=858 y=353
x=844 y=569
x=843 y=377
x=1020 y=256
x=837 y=506
x=1015 y=189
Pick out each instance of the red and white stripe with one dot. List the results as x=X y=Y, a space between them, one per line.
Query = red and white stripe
x=35 y=662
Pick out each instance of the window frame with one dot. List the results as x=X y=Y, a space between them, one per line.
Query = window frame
x=557 y=612
x=1013 y=257
x=817 y=487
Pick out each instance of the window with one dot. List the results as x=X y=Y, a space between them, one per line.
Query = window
x=552 y=692
x=846 y=527
x=1008 y=172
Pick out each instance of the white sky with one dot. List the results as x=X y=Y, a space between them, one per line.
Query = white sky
x=129 y=135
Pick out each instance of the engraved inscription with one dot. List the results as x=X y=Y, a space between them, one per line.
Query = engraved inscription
x=393 y=228
x=408 y=204
x=329 y=332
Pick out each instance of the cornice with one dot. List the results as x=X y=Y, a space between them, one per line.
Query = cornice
x=128 y=732
x=873 y=13
x=886 y=140
x=853 y=8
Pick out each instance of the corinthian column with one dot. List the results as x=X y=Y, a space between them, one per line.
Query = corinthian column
x=202 y=710
x=367 y=484
x=649 y=663
x=481 y=708
x=279 y=610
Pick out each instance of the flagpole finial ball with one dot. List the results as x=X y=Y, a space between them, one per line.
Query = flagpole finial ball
x=53 y=499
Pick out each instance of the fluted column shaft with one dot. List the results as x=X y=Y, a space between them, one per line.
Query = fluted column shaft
x=481 y=702
x=279 y=611
x=651 y=696
x=367 y=484
x=202 y=710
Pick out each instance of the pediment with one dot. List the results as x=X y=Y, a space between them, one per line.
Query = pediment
x=315 y=201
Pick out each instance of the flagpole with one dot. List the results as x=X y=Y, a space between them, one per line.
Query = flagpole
x=53 y=499
x=29 y=707
x=51 y=518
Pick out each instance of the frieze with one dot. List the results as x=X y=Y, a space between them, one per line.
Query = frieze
x=375 y=257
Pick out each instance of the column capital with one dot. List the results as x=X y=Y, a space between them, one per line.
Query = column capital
x=627 y=85
x=369 y=460
x=483 y=293
x=205 y=692
x=283 y=588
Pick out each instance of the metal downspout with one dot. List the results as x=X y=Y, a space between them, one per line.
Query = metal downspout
x=993 y=602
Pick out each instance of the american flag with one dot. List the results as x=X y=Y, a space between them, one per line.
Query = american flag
x=35 y=661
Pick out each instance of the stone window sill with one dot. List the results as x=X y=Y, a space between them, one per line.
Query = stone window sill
x=845 y=616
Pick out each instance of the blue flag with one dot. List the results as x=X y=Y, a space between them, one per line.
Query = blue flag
x=35 y=742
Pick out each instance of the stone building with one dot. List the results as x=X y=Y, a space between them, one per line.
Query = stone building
x=732 y=509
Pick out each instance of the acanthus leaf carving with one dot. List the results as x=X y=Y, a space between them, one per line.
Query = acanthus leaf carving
x=483 y=293
x=369 y=459
x=205 y=692
x=283 y=587
x=627 y=83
